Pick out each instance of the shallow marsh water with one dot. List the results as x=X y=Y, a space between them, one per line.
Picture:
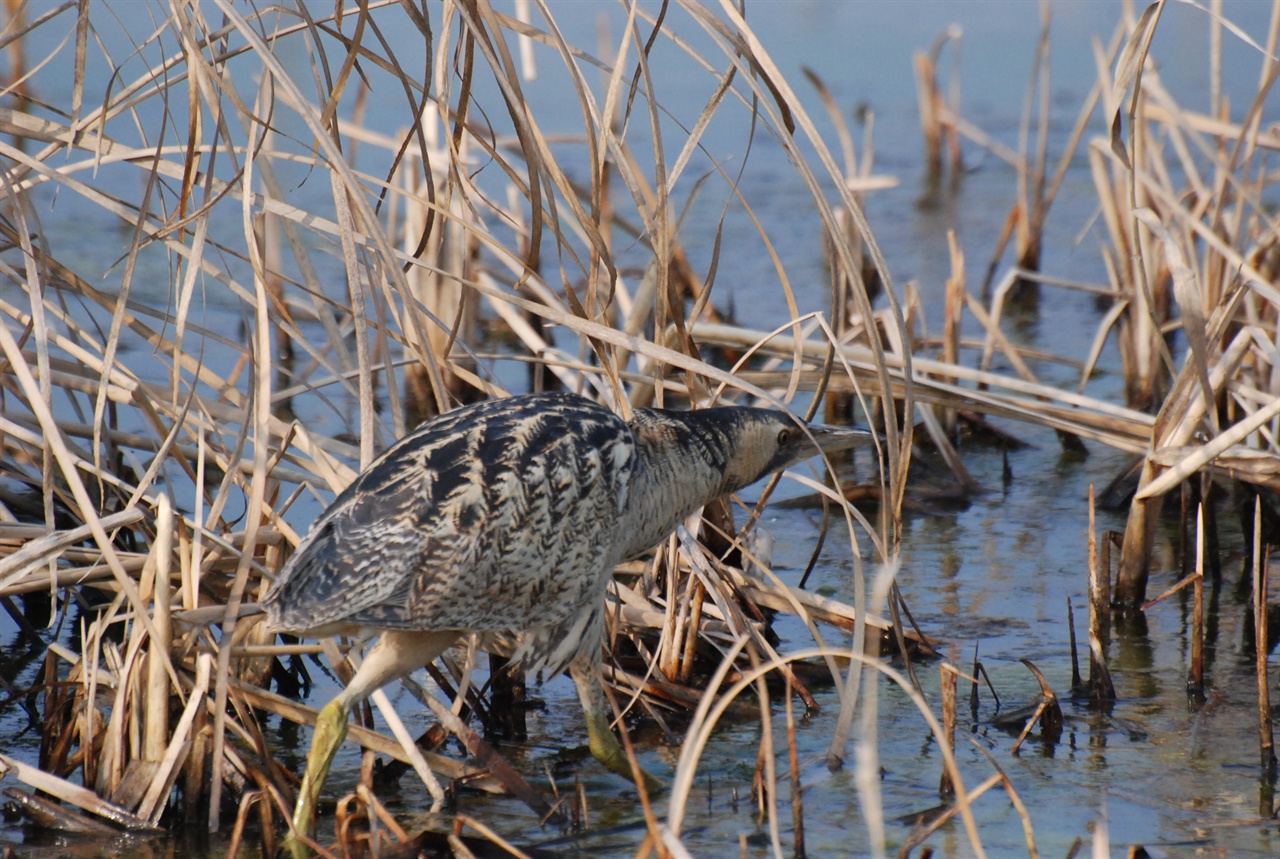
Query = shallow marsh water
x=1160 y=769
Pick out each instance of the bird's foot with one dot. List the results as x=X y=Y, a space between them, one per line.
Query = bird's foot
x=607 y=750
x=294 y=847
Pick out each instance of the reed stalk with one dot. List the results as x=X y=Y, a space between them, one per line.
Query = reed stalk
x=1266 y=738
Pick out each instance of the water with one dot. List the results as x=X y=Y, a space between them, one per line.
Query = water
x=1160 y=769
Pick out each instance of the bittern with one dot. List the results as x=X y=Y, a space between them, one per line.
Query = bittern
x=507 y=518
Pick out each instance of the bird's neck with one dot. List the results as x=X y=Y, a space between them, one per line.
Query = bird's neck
x=680 y=467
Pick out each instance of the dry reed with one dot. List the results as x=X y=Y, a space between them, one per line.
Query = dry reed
x=166 y=452
x=237 y=428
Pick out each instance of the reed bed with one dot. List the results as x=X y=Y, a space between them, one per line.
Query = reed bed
x=245 y=336
x=152 y=456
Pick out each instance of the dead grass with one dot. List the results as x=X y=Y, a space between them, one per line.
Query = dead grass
x=164 y=452
x=157 y=454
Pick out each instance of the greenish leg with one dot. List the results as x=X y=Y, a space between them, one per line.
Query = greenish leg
x=331 y=730
x=603 y=744
x=397 y=653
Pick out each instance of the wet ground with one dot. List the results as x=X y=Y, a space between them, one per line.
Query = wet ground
x=1161 y=768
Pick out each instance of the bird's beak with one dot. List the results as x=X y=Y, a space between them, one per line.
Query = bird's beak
x=832 y=439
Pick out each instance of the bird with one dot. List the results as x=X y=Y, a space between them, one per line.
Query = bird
x=506 y=518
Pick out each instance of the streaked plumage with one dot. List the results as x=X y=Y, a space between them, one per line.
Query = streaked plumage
x=507 y=518
x=449 y=528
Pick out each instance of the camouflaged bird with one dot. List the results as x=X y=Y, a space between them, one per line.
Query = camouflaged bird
x=507 y=518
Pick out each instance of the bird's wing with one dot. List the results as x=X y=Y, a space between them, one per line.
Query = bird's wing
x=497 y=516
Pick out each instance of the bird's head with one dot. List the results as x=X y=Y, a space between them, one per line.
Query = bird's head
x=745 y=444
x=690 y=458
x=770 y=441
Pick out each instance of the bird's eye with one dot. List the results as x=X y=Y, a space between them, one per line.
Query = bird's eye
x=784 y=436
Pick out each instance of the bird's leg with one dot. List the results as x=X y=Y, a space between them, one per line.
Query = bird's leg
x=331 y=730
x=600 y=739
x=397 y=653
